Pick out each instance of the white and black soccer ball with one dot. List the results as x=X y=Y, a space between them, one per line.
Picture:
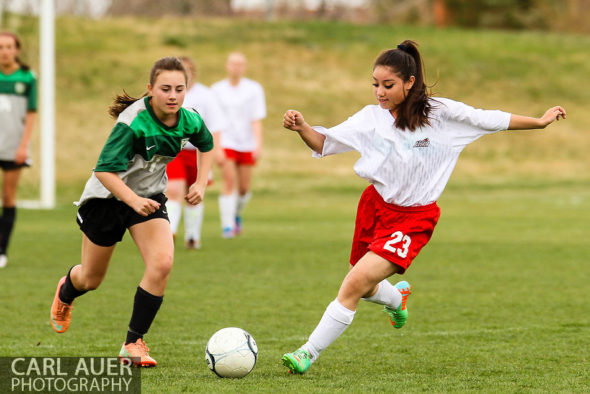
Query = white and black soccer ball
x=231 y=353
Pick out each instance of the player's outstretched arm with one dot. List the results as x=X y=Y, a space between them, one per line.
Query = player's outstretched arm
x=293 y=120
x=519 y=122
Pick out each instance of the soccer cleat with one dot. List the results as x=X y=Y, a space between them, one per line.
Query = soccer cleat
x=398 y=316
x=193 y=244
x=227 y=233
x=298 y=362
x=238 y=228
x=61 y=313
x=3 y=260
x=137 y=354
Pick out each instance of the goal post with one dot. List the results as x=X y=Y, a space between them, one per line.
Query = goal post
x=47 y=104
x=47 y=108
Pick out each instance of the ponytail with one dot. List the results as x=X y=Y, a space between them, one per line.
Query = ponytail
x=405 y=61
x=122 y=101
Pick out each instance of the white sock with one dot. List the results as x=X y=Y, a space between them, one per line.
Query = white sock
x=174 y=209
x=335 y=320
x=227 y=210
x=193 y=221
x=242 y=202
x=386 y=295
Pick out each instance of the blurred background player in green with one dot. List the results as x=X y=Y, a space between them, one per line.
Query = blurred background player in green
x=182 y=171
x=18 y=106
x=126 y=191
x=243 y=105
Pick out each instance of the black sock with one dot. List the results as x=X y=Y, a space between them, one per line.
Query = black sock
x=145 y=308
x=6 y=225
x=68 y=292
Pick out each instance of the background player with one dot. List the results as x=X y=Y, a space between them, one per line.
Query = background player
x=243 y=104
x=182 y=171
x=126 y=191
x=409 y=145
x=18 y=106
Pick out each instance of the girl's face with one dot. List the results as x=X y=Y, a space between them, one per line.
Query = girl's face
x=167 y=94
x=8 y=51
x=389 y=89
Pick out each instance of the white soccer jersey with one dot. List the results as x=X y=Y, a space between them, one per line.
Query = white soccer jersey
x=411 y=168
x=201 y=98
x=241 y=105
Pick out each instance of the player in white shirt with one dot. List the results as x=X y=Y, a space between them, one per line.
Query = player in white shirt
x=182 y=171
x=243 y=103
x=409 y=145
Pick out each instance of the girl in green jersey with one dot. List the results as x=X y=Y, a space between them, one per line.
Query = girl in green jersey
x=18 y=106
x=126 y=190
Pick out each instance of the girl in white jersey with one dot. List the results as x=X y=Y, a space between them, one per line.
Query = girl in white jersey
x=182 y=171
x=126 y=191
x=409 y=145
x=242 y=102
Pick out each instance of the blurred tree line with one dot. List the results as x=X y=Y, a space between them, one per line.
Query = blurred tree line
x=560 y=15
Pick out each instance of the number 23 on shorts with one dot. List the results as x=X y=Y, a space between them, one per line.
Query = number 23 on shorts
x=398 y=244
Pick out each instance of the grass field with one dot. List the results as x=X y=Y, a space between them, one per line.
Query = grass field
x=500 y=301
x=501 y=291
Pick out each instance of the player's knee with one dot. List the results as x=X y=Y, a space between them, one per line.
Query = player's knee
x=162 y=265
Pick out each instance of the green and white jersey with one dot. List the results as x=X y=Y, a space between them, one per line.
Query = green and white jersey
x=140 y=146
x=18 y=95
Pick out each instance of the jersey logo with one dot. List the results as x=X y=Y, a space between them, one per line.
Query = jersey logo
x=425 y=143
x=20 y=87
x=147 y=148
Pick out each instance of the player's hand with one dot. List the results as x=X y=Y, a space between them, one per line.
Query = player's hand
x=553 y=114
x=293 y=120
x=21 y=155
x=195 y=194
x=145 y=206
x=219 y=156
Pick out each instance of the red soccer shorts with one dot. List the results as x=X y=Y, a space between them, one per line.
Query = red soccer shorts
x=241 y=158
x=395 y=233
x=183 y=167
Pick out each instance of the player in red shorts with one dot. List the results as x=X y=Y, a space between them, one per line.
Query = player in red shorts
x=409 y=145
x=243 y=104
x=182 y=171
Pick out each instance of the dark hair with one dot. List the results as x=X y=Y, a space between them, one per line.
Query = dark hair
x=22 y=65
x=405 y=61
x=122 y=101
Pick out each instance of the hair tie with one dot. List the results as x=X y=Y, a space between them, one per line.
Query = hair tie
x=402 y=48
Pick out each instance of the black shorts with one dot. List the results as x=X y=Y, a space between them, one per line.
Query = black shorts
x=104 y=221
x=8 y=165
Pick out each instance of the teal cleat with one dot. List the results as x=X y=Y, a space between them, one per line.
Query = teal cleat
x=398 y=316
x=298 y=362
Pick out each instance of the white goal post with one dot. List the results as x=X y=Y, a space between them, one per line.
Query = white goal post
x=47 y=107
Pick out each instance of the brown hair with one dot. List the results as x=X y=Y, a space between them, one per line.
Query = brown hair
x=405 y=61
x=122 y=101
x=22 y=65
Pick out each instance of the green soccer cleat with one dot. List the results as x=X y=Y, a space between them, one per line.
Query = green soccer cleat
x=398 y=316
x=298 y=362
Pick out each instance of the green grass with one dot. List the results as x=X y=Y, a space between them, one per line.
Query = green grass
x=500 y=300
x=501 y=294
x=324 y=70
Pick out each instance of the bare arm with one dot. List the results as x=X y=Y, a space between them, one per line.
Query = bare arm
x=519 y=122
x=257 y=127
x=196 y=191
x=21 y=152
x=114 y=184
x=293 y=120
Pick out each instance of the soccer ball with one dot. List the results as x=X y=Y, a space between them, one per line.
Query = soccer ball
x=231 y=353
